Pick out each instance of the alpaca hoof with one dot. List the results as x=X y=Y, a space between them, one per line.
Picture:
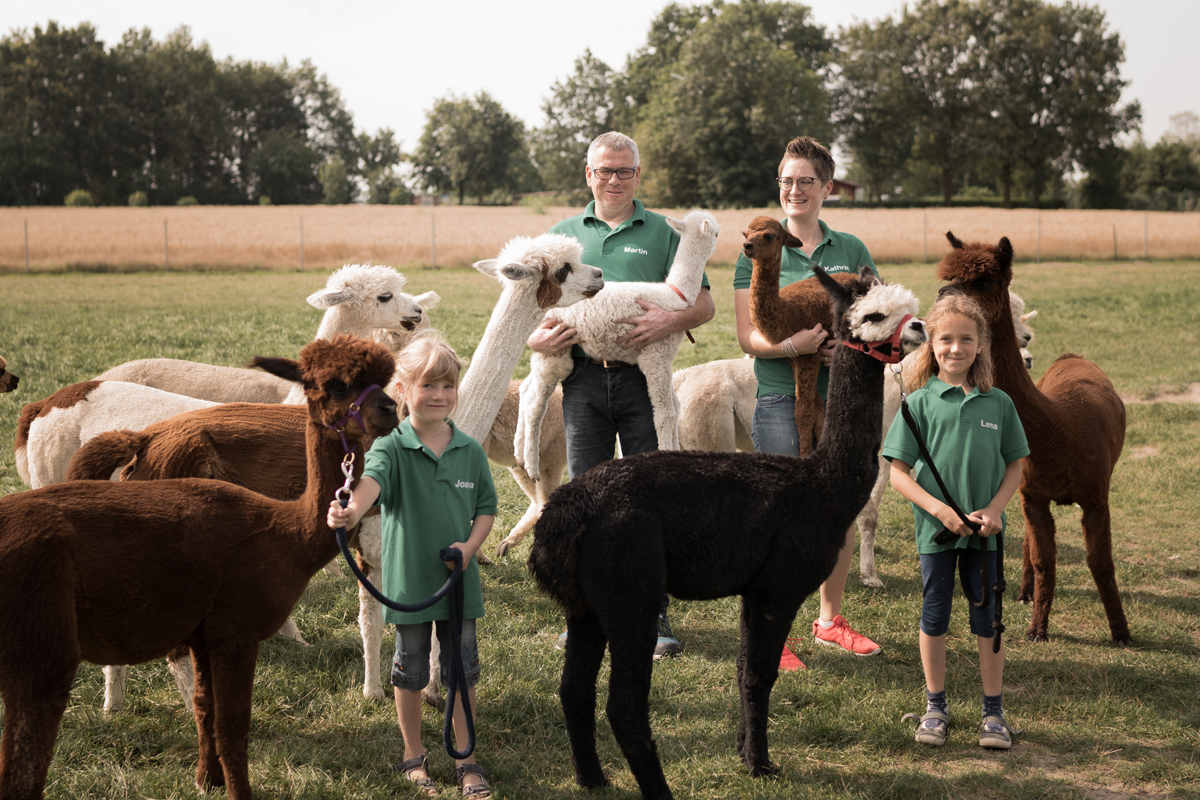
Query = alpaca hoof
x=483 y=559
x=591 y=781
x=763 y=771
x=871 y=580
x=503 y=548
x=434 y=700
x=376 y=695
x=1036 y=637
x=1124 y=642
x=1024 y=600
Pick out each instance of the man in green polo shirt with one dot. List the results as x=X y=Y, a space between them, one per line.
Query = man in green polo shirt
x=604 y=400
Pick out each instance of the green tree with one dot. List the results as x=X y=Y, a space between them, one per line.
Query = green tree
x=1050 y=79
x=746 y=81
x=471 y=146
x=873 y=109
x=336 y=180
x=578 y=110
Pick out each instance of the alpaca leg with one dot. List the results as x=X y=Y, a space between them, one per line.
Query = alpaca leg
x=115 y=676
x=577 y=692
x=662 y=398
x=232 y=670
x=868 y=521
x=525 y=525
x=208 y=768
x=1025 y=593
x=764 y=630
x=544 y=375
x=291 y=631
x=35 y=698
x=632 y=661
x=179 y=662
x=333 y=568
x=1097 y=536
x=432 y=693
x=1043 y=557
x=370 y=627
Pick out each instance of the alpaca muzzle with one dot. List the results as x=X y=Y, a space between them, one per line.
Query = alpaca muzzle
x=886 y=350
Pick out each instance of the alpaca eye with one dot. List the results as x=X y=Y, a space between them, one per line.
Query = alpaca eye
x=338 y=387
x=563 y=272
x=770 y=237
x=383 y=298
x=877 y=316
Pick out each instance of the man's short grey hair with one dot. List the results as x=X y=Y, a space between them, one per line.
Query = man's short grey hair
x=613 y=141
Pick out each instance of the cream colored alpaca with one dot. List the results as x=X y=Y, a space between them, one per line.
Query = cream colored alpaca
x=597 y=328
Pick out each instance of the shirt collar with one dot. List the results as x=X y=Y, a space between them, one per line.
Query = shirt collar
x=639 y=214
x=940 y=387
x=408 y=437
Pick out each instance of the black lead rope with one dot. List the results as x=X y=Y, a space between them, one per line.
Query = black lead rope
x=945 y=535
x=454 y=587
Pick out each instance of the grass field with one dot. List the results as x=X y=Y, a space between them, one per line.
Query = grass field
x=409 y=237
x=1102 y=723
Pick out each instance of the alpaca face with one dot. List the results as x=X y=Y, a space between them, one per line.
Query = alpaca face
x=551 y=265
x=982 y=272
x=877 y=315
x=766 y=238
x=371 y=293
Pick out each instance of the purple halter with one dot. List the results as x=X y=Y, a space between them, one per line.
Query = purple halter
x=354 y=412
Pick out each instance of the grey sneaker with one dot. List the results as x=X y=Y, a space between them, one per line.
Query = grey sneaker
x=561 y=644
x=667 y=645
x=995 y=733
x=932 y=727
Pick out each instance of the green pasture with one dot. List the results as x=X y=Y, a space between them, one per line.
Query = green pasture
x=1102 y=722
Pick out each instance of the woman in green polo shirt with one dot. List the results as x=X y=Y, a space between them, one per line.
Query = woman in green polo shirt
x=973 y=434
x=435 y=489
x=805 y=180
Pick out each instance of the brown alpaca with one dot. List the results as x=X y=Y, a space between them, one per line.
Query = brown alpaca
x=121 y=573
x=778 y=313
x=1075 y=424
x=8 y=381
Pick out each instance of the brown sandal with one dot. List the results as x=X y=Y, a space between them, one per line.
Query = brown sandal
x=424 y=785
x=476 y=791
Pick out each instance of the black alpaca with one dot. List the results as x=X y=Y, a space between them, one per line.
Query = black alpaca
x=708 y=525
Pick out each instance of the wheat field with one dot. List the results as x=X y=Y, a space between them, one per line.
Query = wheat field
x=50 y=239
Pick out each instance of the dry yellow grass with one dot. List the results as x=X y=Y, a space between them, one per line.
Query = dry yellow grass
x=223 y=237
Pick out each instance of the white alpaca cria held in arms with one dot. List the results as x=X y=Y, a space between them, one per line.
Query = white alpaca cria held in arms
x=597 y=325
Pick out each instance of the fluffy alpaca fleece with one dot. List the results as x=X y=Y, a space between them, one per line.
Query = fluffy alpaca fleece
x=1075 y=423
x=49 y=431
x=8 y=381
x=778 y=313
x=126 y=572
x=597 y=328
x=703 y=526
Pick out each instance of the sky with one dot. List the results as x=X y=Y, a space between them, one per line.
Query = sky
x=393 y=60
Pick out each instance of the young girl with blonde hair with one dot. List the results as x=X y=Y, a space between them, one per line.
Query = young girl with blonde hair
x=976 y=440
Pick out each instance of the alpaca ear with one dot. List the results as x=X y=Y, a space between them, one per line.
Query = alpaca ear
x=836 y=290
x=428 y=300
x=517 y=271
x=284 y=368
x=1004 y=253
x=677 y=224
x=955 y=242
x=328 y=298
x=789 y=240
x=490 y=266
x=1028 y=315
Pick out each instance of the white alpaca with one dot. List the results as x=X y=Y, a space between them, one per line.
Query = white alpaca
x=597 y=327
x=717 y=408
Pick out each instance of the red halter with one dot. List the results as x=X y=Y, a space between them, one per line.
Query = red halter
x=886 y=350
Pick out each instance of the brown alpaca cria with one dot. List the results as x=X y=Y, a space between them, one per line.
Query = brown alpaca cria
x=778 y=313
x=8 y=381
x=704 y=525
x=121 y=573
x=1075 y=423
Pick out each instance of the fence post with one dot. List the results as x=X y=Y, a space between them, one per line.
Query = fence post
x=924 y=238
x=1114 y=227
x=27 y=245
x=1146 y=235
x=1039 y=236
x=302 y=244
x=433 y=239
x=166 y=249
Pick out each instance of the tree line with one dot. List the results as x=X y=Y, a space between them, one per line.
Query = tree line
x=999 y=101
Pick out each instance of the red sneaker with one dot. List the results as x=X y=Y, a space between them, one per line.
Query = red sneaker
x=843 y=636
x=788 y=661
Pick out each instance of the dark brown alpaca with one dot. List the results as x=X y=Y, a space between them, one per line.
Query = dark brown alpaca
x=705 y=525
x=8 y=381
x=778 y=313
x=121 y=573
x=1075 y=423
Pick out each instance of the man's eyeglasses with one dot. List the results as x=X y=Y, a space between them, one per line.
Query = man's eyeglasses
x=804 y=184
x=604 y=173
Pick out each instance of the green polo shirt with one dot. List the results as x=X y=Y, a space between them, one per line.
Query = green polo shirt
x=641 y=248
x=837 y=252
x=973 y=438
x=428 y=503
